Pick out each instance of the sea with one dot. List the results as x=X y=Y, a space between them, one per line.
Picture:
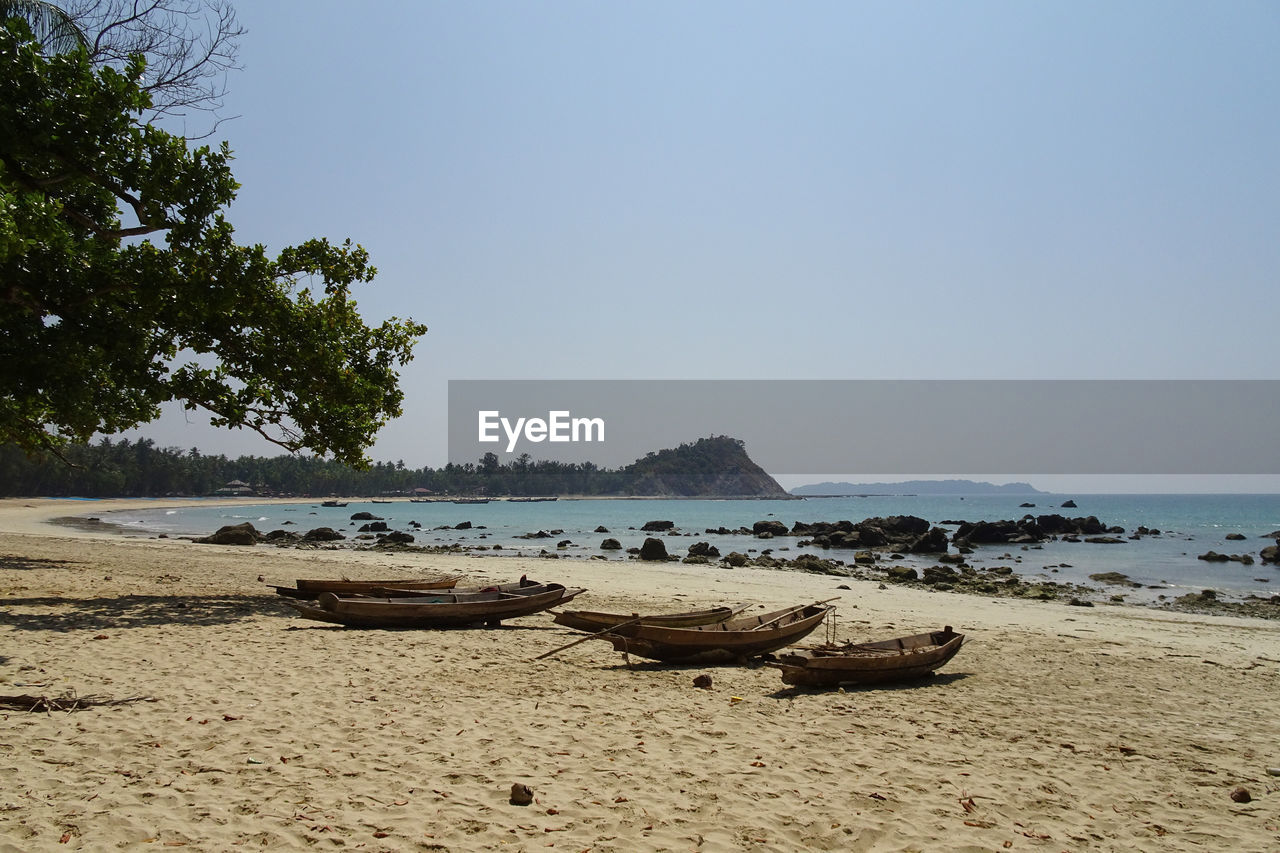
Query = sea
x=1165 y=565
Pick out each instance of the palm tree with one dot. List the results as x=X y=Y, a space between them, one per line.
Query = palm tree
x=56 y=31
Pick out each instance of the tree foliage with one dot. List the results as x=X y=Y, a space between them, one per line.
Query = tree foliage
x=140 y=469
x=188 y=45
x=122 y=286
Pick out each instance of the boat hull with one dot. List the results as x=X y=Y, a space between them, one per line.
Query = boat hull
x=313 y=588
x=731 y=641
x=592 y=621
x=445 y=611
x=899 y=659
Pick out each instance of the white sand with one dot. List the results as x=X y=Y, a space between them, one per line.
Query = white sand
x=1056 y=727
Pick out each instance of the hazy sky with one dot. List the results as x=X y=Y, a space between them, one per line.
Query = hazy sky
x=769 y=191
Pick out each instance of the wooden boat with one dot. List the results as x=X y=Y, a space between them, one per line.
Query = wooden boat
x=899 y=659
x=593 y=622
x=408 y=592
x=470 y=500
x=733 y=640
x=441 y=611
x=313 y=588
x=333 y=503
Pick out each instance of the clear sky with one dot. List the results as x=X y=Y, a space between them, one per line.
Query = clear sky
x=747 y=190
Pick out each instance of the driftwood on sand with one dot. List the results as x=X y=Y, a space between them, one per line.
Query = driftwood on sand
x=68 y=702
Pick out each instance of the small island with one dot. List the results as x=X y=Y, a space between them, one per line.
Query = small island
x=914 y=487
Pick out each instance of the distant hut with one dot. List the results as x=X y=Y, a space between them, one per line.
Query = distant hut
x=236 y=488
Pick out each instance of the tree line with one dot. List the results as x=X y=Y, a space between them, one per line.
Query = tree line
x=123 y=468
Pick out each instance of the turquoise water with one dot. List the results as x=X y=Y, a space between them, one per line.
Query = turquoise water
x=1190 y=525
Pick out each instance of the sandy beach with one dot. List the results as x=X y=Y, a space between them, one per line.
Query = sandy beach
x=1055 y=728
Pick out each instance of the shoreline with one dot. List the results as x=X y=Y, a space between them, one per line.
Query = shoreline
x=1054 y=728
x=1203 y=598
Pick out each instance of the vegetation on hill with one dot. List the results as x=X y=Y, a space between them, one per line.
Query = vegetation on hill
x=717 y=466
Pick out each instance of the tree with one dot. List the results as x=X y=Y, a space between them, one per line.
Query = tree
x=51 y=25
x=122 y=287
x=189 y=45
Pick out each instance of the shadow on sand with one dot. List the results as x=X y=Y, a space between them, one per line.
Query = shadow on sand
x=21 y=564
x=935 y=679
x=137 y=611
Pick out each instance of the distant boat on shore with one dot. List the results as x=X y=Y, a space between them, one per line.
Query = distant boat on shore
x=470 y=500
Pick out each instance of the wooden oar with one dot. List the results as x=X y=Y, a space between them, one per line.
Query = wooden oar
x=591 y=637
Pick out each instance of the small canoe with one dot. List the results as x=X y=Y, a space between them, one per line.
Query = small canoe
x=730 y=641
x=313 y=588
x=442 y=611
x=899 y=659
x=593 y=622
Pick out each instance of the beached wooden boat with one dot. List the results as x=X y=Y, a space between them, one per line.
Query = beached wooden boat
x=446 y=610
x=592 y=621
x=312 y=588
x=402 y=592
x=899 y=659
x=733 y=640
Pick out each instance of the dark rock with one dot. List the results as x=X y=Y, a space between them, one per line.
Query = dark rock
x=610 y=545
x=1069 y=504
x=1213 y=557
x=465 y=525
x=773 y=528
x=1026 y=506
x=1104 y=540
x=602 y=529
x=934 y=575
x=232 y=534
x=653 y=549
x=323 y=534
x=736 y=559
x=1241 y=795
x=902 y=573
x=521 y=795
x=1115 y=578
x=932 y=542
x=1235 y=537
x=396 y=537
x=702 y=681
x=703 y=549
x=374 y=527
x=654 y=526
x=364 y=516
x=814 y=563
x=1270 y=554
